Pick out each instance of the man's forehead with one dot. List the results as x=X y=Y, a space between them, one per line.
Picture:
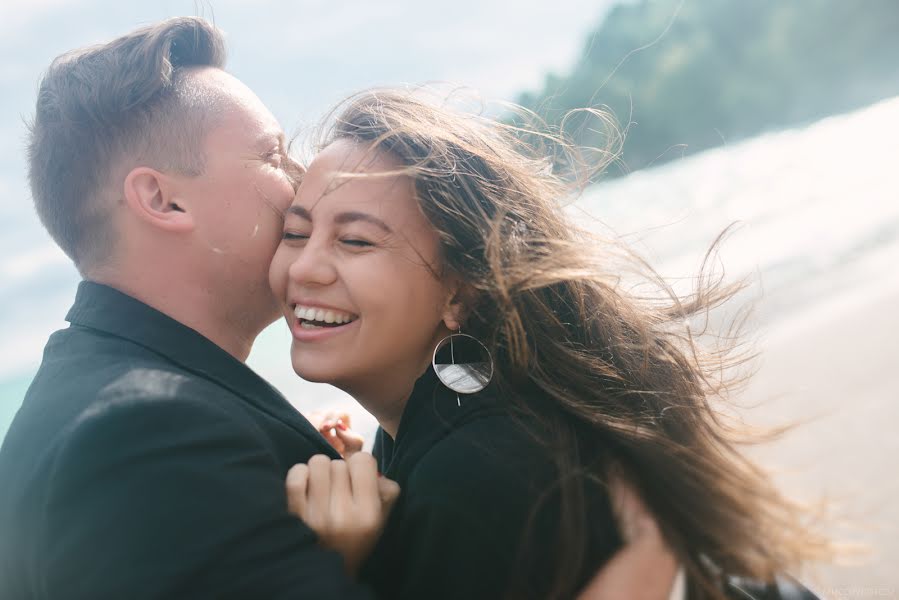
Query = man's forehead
x=232 y=94
x=218 y=79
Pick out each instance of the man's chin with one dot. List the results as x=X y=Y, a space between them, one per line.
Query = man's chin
x=270 y=314
x=262 y=318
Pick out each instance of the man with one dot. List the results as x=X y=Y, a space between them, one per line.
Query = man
x=147 y=460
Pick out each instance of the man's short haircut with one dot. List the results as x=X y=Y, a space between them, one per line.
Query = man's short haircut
x=106 y=109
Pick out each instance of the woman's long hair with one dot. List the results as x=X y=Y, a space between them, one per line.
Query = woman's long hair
x=576 y=349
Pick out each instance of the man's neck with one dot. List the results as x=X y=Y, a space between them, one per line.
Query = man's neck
x=192 y=307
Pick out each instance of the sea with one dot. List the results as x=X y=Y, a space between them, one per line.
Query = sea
x=813 y=211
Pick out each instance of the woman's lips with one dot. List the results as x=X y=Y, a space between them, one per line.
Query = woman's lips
x=304 y=331
x=322 y=315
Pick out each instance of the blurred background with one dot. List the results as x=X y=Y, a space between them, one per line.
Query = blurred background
x=782 y=116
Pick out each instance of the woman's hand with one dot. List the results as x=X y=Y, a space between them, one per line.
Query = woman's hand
x=345 y=502
x=336 y=429
x=645 y=568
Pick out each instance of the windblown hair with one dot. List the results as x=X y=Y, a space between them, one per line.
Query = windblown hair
x=106 y=108
x=575 y=349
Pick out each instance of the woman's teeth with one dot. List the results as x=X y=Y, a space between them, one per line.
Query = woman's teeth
x=315 y=318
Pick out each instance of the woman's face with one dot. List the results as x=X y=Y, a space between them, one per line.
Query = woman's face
x=355 y=274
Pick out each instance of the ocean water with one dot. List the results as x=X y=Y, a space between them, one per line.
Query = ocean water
x=817 y=213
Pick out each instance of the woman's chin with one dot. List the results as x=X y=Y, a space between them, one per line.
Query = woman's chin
x=315 y=373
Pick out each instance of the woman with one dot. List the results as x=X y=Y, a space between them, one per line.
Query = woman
x=415 y=223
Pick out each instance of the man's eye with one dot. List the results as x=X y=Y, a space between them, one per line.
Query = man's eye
x=274 y=158
x=294 y=237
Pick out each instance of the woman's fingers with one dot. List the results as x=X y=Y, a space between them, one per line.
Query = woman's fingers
x=351 y=441
x=341 y=487
x=297 y=487
x=319 y=418
x=389 y=491
x=335 y=428
x=363 y=470
x=345 y=502
x=318 y=498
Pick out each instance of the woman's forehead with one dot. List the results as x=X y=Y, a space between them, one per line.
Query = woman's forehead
x=351 y=176
x=350 y=156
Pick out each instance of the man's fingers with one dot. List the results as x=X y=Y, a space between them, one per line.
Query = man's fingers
x=297 y=487
x=634 y=519
x=645 y=568
x=639 y=571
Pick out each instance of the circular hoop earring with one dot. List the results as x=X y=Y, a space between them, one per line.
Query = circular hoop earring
x=470 y=366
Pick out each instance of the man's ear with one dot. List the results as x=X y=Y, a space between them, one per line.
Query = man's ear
x=152 y=197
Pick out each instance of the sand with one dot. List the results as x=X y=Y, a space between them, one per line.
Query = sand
x=837 y=365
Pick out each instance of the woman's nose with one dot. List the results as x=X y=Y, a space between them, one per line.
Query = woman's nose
x=313 y=266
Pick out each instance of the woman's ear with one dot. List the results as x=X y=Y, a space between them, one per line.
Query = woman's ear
x=152 y=197
x=456 y=310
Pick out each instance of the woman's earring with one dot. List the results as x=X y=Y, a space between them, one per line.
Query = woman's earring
x=463 y=364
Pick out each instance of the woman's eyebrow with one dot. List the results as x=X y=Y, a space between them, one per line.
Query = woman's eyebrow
x=342 y=218
x=300 y=212
x=350 y=217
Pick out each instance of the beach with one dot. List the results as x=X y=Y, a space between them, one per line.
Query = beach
x=818 y=236
x=836 y=370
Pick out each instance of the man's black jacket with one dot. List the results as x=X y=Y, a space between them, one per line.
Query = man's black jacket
x=146 y=462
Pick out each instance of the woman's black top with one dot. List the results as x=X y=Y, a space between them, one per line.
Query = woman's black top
x=465 y=525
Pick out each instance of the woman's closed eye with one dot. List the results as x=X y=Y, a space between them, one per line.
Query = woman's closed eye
x=356 y=242
x=302 y=238
x=290 y=236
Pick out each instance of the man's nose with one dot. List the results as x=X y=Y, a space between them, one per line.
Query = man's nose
x=295 y=171
x=314 y=265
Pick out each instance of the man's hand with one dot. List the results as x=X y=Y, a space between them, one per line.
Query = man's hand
x=335 y=427
x=645 y=568
x=345 y=502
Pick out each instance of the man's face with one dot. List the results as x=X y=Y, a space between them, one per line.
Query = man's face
x=239 y=201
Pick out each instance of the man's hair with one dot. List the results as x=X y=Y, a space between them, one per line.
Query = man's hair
x=105 y=109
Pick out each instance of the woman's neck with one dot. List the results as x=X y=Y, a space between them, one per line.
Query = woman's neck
x=386 y=397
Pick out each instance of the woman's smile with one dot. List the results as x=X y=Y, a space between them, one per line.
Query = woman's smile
x=315 y=323
x=357 y=270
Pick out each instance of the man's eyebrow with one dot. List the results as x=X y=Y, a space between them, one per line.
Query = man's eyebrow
x=343 y=218
x=271 y=136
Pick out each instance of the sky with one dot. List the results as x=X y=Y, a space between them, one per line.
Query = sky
x=301 y=57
